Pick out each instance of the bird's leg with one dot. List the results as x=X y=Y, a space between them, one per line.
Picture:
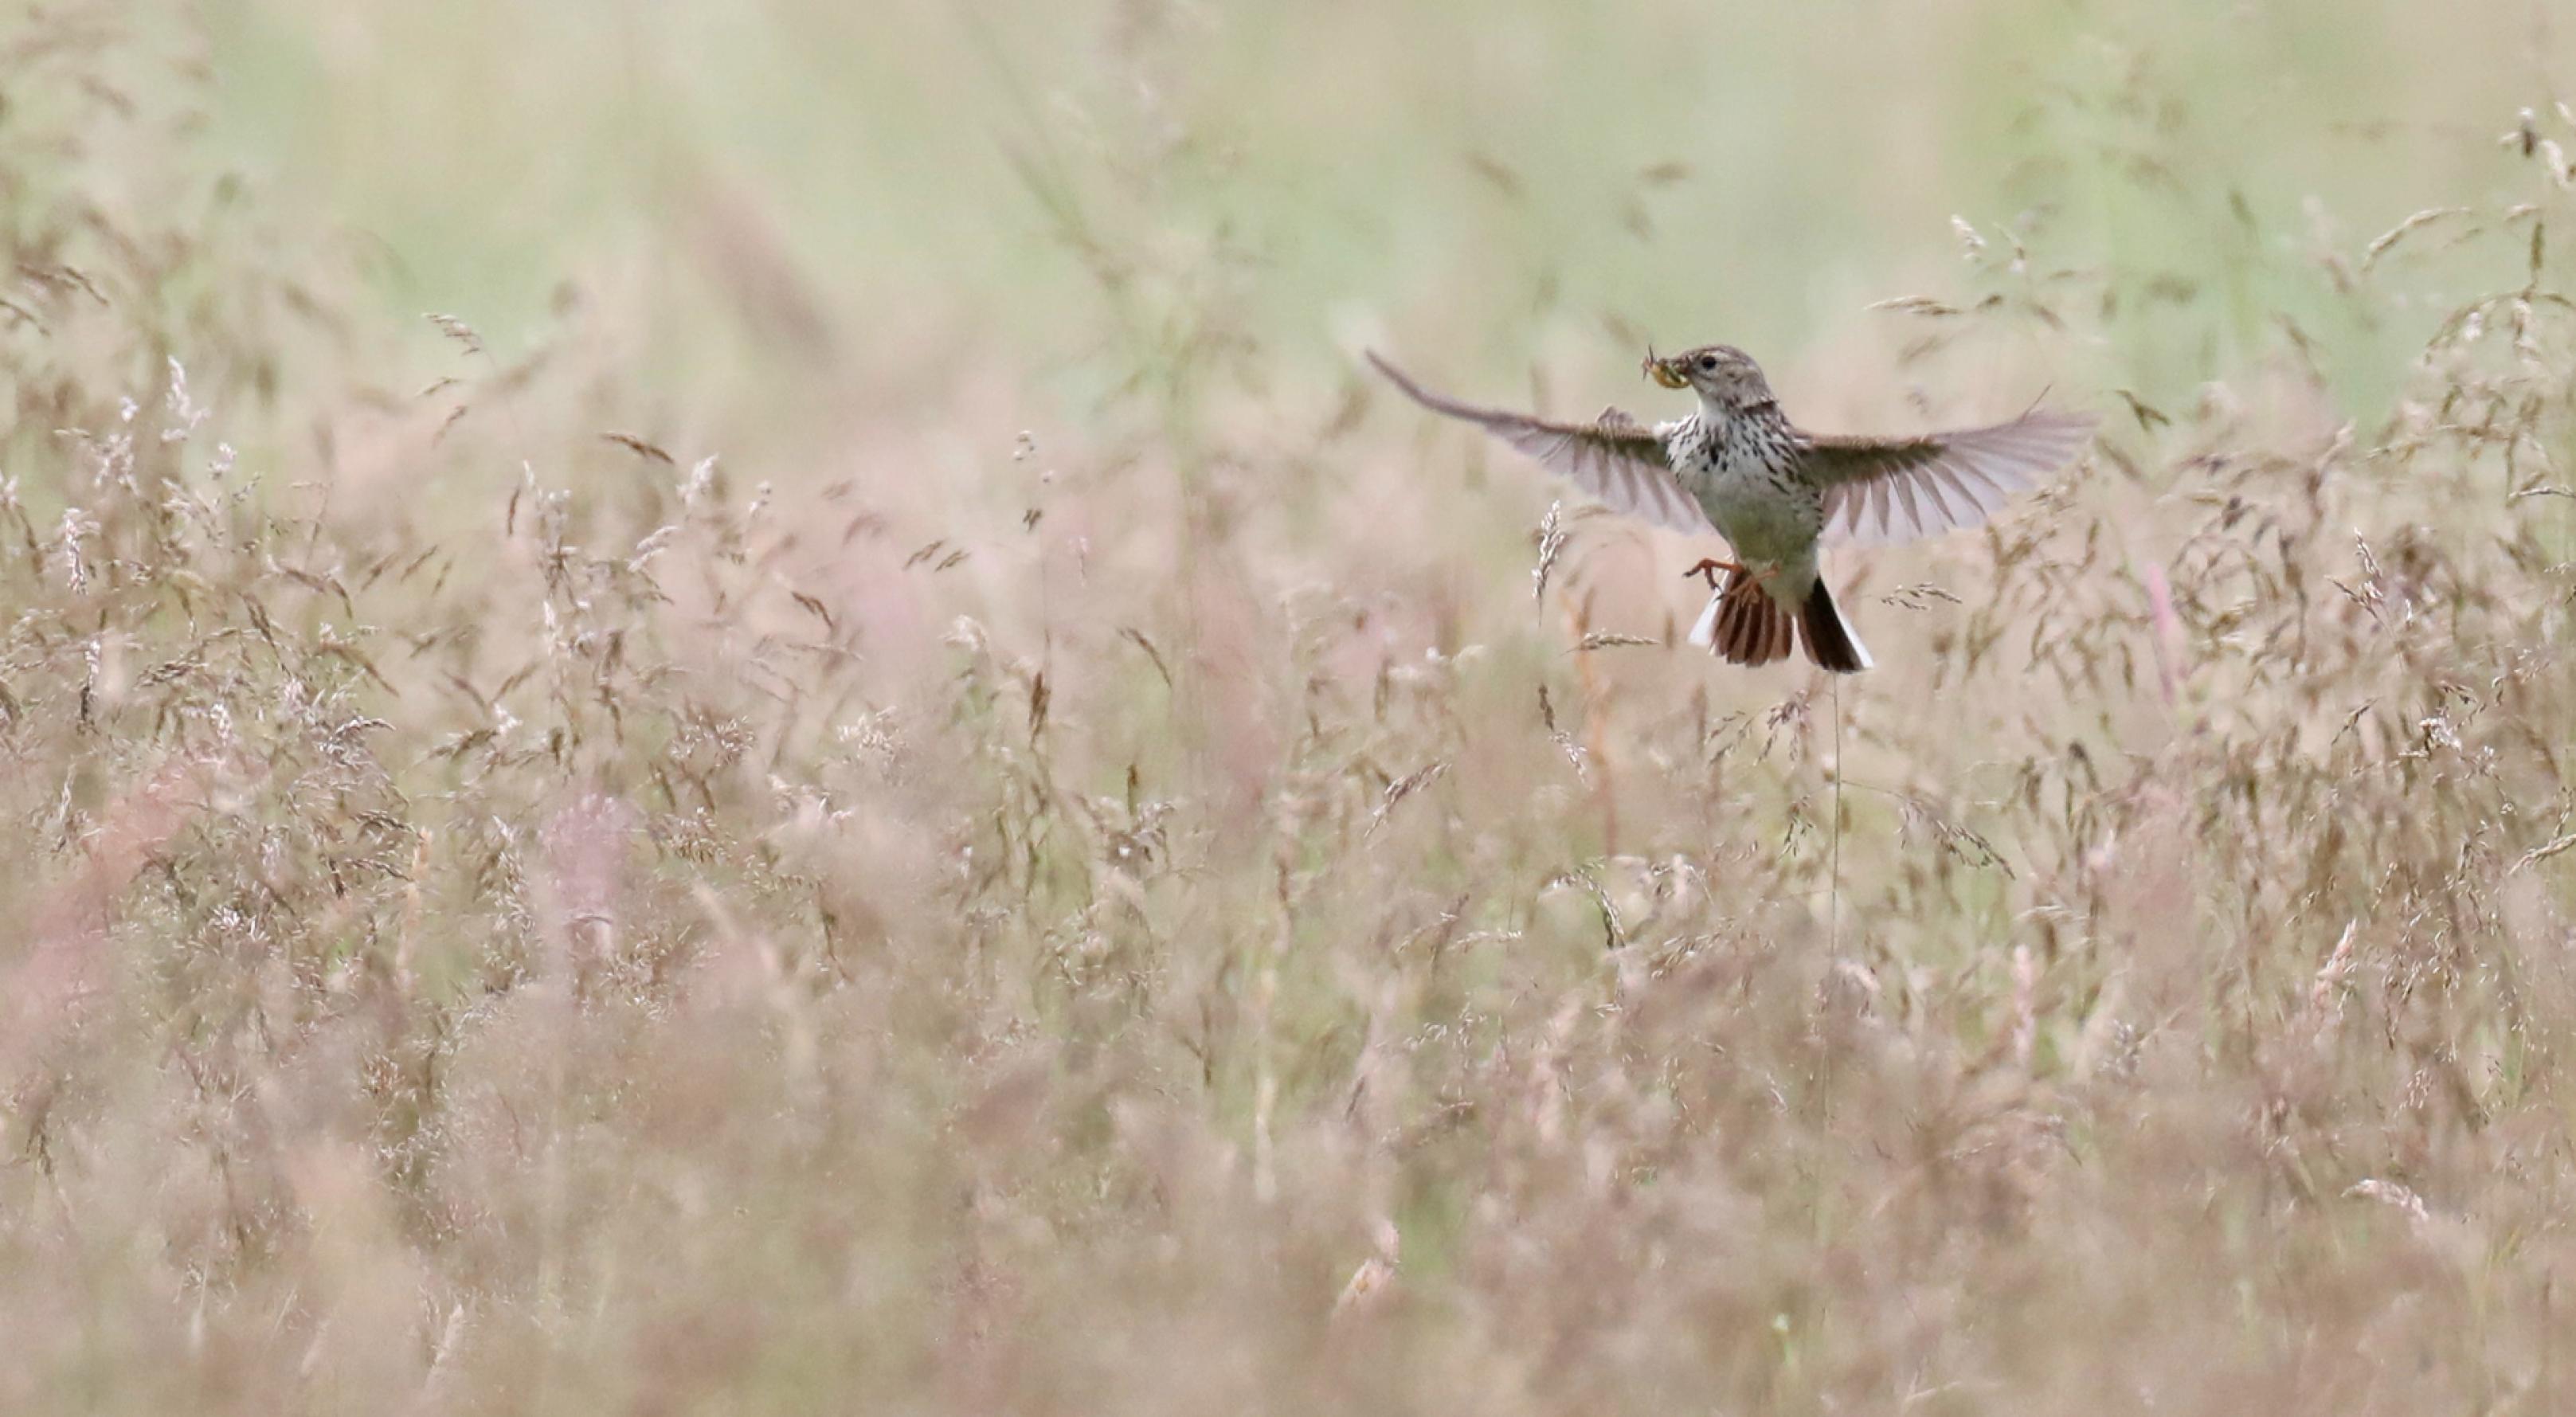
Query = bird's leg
x=1709 y=566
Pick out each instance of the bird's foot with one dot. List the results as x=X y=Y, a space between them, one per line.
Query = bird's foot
x=1709 y=566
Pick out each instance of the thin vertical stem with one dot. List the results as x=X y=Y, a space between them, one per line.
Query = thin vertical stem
x=1834 y=886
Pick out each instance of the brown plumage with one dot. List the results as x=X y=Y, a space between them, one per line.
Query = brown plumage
x=1751 y=627
x=1616 y=460
x=1739 y=467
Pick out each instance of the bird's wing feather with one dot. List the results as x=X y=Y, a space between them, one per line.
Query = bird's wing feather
x=1880 y=491
x=1617 y=460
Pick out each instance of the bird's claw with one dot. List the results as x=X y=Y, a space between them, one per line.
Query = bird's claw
x=1708 y=568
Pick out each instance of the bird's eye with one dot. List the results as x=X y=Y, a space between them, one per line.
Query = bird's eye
x=1708 y=364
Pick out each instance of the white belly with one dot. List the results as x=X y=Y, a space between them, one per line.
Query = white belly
x=1772 y=527
x=1761 y=521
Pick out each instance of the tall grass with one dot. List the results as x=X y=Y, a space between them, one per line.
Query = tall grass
x=548 y=882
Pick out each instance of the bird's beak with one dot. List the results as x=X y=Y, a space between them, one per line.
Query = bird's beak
x=1663 y=372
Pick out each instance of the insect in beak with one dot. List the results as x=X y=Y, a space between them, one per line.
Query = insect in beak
x=1663 y=372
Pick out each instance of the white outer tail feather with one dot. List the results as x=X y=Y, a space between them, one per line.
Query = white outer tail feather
x=1858 y=648
x=1703 y=631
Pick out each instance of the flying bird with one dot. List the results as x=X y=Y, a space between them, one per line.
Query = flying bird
x=1740 y=468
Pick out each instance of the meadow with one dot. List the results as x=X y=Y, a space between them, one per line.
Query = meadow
x=745 y=708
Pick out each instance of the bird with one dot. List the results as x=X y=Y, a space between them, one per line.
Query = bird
x=1738 y=467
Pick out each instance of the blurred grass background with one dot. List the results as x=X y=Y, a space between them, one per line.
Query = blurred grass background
x=872 y=776
x=1509 y=175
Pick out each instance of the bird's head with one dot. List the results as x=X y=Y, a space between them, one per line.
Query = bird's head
x=1722 y=375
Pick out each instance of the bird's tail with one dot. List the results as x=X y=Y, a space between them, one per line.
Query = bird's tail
x=1829 y=638
x=1744 y=625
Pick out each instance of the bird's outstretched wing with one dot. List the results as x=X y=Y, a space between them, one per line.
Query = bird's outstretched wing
x=1880 y=491
x=1617 y=461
